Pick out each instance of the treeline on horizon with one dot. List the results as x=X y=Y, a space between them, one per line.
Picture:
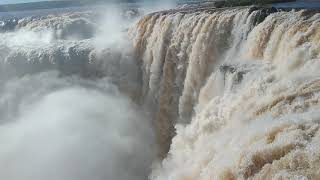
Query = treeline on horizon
x=236 y=2
x=249 y=2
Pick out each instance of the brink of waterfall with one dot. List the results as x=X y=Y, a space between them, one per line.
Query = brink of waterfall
x=216 y=90
x=234 y=91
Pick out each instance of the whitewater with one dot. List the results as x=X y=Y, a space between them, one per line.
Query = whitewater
x=67 y=107
x=191 y=93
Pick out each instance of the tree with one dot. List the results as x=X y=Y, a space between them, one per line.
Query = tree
x=250 y=2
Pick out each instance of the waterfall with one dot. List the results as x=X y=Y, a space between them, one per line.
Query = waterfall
x=226 y=93
x=234 y=91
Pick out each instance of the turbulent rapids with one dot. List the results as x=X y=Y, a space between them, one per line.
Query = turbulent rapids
x=184 y=94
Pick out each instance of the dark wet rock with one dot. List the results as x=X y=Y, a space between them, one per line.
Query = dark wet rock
x=262 y=13
x=8 y=24
x=237 y=72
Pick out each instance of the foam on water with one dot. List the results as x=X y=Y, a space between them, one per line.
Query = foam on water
x=240 y=89
x=228 y=93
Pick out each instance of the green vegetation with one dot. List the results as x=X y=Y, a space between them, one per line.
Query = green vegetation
x=250 y=2
x=230 y=3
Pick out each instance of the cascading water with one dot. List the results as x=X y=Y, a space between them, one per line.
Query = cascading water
x=229 y=93
x=241 y=88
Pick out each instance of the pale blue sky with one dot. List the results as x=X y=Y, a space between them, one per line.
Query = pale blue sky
x=15 y=1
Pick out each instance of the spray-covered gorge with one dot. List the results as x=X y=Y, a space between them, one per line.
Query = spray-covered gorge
x=188 y=93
